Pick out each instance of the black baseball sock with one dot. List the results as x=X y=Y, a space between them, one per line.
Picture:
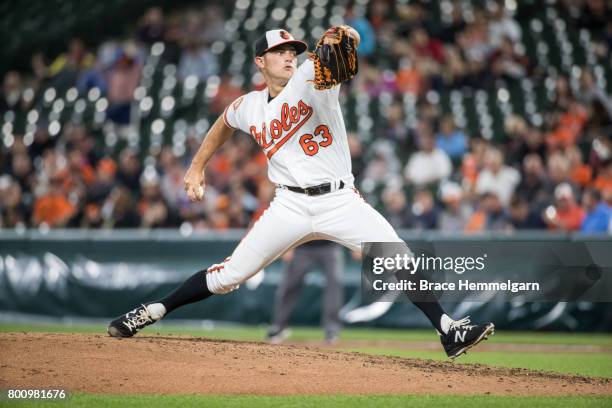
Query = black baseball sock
x=434 y=313
x=424 y=300
x=192 y=290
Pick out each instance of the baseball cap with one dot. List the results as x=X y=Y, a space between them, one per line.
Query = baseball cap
x=274 y=38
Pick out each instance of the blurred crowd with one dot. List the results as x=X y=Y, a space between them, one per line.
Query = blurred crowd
x=555 y=173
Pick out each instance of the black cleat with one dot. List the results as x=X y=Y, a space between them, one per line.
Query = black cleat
x=462 y=336
x=130 y=323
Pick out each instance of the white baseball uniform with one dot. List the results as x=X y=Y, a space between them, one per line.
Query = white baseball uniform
x=302 y=133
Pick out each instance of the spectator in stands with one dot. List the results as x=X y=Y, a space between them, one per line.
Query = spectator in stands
x=40 y=70
x=474 y=43
x=558 y=169
x=197 y=60
x=119 y=211
x=53 y=208
x=516 y=129
x=123 y=80
x=11 y=92
x=86 y=143
x=212 y=24
x=13 y=210
x=79 y=168
x=426 y=46
x=22 y=172
x=240 y=205
x=172 y=40
x=489 y=216
x=598 y=214
x=581 y=174
x=450 y=139
x=383 y=166
x=379 y=13
x=92 y=216
x=603 y=182
x=171 y=182
x=423 y=211
x=453 y=25
x=456 y=212
x=455 y=70
x=152 y=208
x=522 y=216
x=496 y=177
x=129 y=170
x=42 y=141
x=534 y=187
x=97 y=75
x=565 y=214
x=594 y=15
x=357 y=160
x=502 y=27
x=592 y=95
x=507 y=63
x=372 y=81
x=606 y=46
x=229 y=90
x=395 y=130
x=354 y=17
x=472 y=162
x=395 y=209
x=105 y=180
x=409 y=78
x=526 y=142
x=563 y=94
x=430 y=164
x=152 y=28
x=66 y=68
x=567 y=126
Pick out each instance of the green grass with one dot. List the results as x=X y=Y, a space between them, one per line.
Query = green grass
x=145 y=401
x=593 y=364
x=253 y=333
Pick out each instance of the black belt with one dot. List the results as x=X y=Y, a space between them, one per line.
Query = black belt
x=314 y=191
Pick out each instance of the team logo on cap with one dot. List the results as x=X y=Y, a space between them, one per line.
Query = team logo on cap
x=284 y=35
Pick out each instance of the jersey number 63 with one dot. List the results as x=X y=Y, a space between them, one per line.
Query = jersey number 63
x=311 y=147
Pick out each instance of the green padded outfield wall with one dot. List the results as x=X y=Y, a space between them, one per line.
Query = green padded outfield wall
x=101 y=274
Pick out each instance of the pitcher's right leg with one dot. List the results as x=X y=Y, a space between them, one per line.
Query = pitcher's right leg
x=351 y=221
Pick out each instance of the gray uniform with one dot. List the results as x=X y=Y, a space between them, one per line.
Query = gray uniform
x=329 y=258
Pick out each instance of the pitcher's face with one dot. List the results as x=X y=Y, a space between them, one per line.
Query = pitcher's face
x=278 y=63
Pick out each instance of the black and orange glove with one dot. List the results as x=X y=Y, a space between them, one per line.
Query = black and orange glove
x=335 y=58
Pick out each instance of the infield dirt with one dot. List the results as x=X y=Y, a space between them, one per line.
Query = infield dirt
x=192 y=365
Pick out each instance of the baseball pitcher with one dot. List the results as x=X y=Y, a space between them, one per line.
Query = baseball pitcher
x=298 y=123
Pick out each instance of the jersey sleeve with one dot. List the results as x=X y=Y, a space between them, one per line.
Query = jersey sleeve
x=306 y=73
x=233 y=115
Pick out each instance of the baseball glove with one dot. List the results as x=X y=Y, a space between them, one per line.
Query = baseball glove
x=335 y=59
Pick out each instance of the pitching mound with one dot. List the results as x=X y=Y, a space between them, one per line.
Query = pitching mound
x=188 y=365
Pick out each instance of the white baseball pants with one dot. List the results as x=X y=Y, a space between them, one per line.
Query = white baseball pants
x=294 y=218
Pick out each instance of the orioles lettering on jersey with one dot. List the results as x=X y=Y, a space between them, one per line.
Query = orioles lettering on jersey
x=292 y=118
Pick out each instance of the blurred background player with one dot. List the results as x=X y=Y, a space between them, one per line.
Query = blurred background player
x=325 y=256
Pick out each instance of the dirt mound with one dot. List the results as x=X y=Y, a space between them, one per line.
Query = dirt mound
x=190 y=365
